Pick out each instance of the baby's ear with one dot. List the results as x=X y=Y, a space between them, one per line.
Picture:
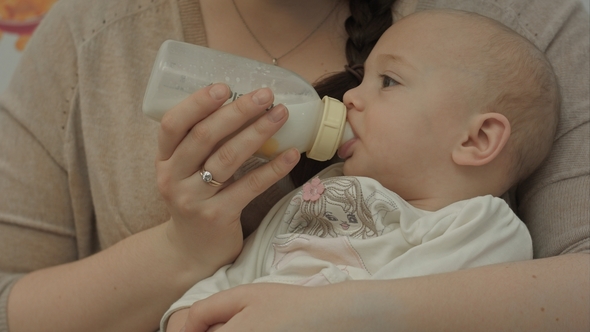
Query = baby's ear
x=486 y=137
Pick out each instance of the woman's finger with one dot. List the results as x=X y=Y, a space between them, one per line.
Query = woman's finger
x=205 y=136
x=178 y=121
x=219 y=309
x=243 y=191
x=233 y=153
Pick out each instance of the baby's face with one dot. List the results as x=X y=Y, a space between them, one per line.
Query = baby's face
x=413 y=105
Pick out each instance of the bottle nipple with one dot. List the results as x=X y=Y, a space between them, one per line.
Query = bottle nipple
x=330 y=130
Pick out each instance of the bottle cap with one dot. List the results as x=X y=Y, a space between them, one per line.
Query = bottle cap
x=330 y=131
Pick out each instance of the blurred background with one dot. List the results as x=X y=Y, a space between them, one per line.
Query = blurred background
x=18 y=19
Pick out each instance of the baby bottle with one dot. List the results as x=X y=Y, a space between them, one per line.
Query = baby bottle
x=315 y=126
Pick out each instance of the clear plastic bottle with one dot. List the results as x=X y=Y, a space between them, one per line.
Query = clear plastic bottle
x=315 y=126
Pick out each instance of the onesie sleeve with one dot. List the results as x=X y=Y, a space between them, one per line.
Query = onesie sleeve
x=466 y=234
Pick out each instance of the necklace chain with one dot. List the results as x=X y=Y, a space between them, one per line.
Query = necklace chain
x=275 y=60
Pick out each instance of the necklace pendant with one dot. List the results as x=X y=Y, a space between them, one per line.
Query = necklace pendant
x=275 y=61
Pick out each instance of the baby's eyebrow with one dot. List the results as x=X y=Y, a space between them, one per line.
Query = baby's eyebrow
x=384 y=59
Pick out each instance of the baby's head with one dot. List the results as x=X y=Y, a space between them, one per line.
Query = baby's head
x=518 y=82
x=455 y=101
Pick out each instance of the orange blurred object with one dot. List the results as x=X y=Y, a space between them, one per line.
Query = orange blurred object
x=22 y=17
x=23 y=10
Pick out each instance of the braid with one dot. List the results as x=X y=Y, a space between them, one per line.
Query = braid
x=366 y=23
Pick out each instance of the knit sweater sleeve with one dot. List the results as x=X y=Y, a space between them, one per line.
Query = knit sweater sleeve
x=554 y=201
x=36 y=220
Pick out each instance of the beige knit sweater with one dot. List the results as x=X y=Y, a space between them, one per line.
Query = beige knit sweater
x=77 y=155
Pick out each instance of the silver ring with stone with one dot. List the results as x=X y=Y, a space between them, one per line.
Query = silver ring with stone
x=208 y=178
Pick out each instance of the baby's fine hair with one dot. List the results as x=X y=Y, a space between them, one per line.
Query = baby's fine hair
x=520 y=84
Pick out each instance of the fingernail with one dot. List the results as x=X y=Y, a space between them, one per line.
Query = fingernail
x=277 y=113
x=261 y=96
x=218 y=91
x=291 y=156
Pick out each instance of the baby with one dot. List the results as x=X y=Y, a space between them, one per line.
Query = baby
x=454 y=109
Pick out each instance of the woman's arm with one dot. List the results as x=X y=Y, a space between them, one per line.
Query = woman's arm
x=124 y=288
x=551 y=294
x=128 y=286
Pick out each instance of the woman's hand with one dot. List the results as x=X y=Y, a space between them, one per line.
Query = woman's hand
x=263 y=307
x=517 y=296
x=275 y=307
x=205 y=219
x=272 y=307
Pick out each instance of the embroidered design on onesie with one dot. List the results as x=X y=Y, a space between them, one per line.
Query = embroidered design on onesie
x=313 y=189
x=334 y=207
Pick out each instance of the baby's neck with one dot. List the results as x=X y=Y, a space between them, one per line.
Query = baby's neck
x=435 y=202
x=431 y=204
x=465 y=183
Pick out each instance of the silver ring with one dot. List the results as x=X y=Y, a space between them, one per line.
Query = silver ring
x=207 y=177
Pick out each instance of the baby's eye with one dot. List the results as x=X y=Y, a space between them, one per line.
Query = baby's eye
x=388 y=81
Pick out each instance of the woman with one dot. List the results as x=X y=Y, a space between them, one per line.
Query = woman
x=101 y=250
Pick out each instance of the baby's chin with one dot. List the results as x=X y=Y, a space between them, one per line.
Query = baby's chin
x=351 y=169
x=348 y=169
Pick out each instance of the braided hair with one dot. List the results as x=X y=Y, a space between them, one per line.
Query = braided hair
x=366 y=23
